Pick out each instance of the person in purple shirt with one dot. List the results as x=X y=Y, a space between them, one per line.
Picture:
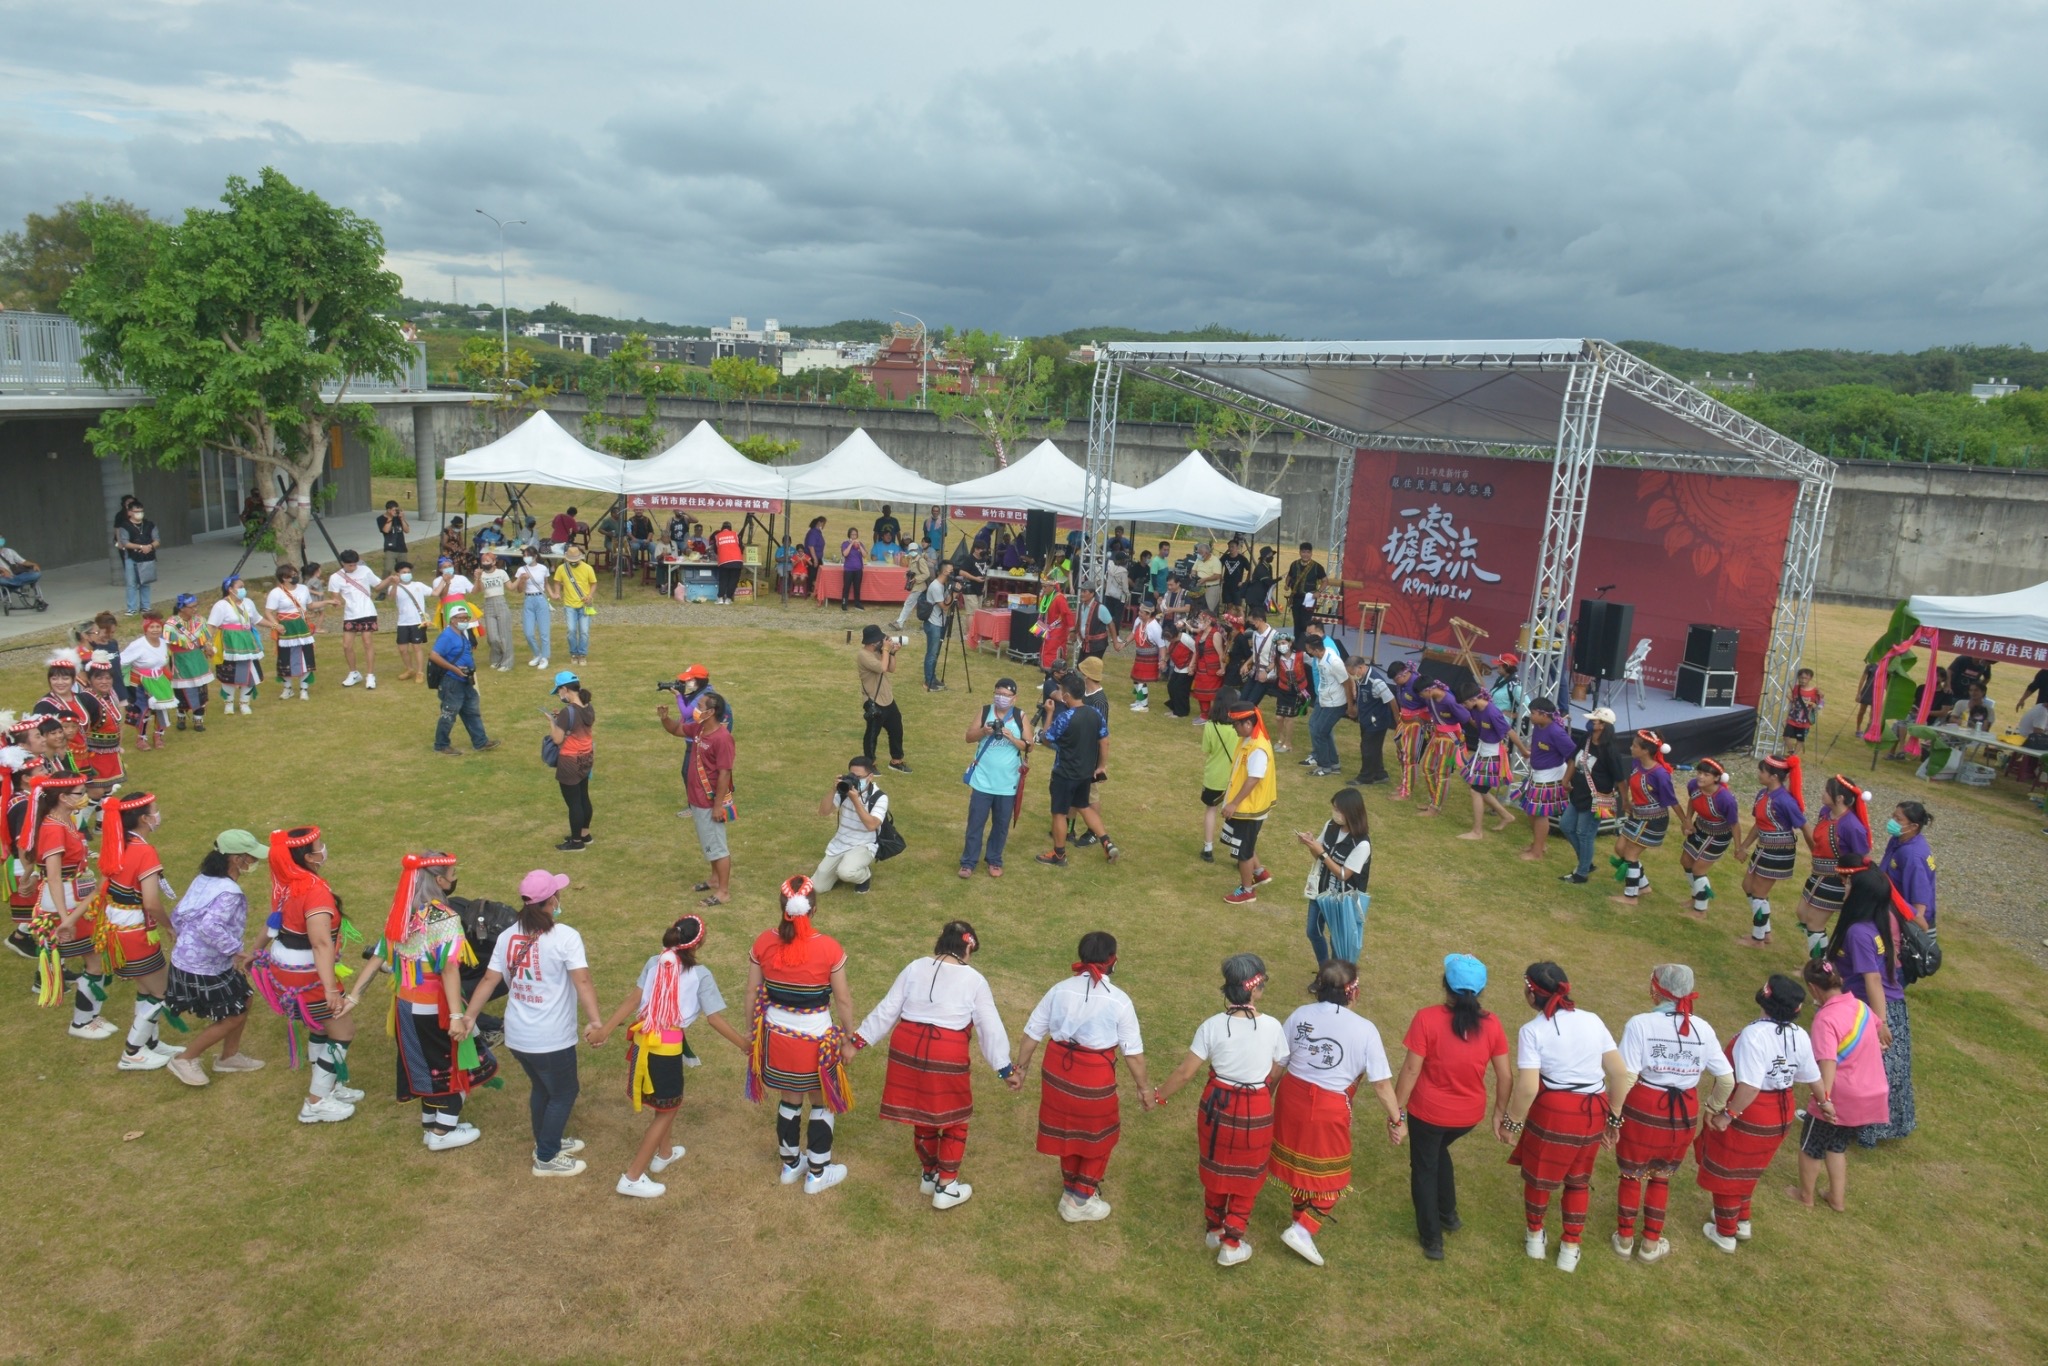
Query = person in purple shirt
x=1444 y=721
x=851 y=561
x=1410 y=711
x=814 y=542
x=1488 y=768
x=1838 y=839
x=1864 y=948
x=1773 y=840
x=1550 y=749
x=1711 y=817
x=1647 y=799
x=1908 y=862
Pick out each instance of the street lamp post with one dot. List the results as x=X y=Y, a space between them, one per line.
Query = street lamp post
x=504 y=316
x=924 y=349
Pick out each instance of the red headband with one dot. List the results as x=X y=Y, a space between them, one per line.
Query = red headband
x=1685 y=1004
x=1658 y=749
x=1859 y=805
x=1551 y=1001
x=1098 y=971
x=396 y=924
x=689 y=944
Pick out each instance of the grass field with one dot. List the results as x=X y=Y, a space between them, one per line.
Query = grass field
x=227 y=1231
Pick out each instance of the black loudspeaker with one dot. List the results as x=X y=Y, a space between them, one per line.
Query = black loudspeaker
x=1711 y=647
x=1601 y=643
x=1039 y=530
x=1705 y=687
x=1022 y=619
x=1456 y=677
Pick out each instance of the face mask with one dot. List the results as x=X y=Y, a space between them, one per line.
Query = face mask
x=406 y=577
x=241 y=592
x=1004 y=703
x=1894 y=829
x=529 y=559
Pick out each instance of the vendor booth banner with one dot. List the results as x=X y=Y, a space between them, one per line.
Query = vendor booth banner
x=1994 y=647
x=701 y=502
x=1442 y=536
x=969 y=512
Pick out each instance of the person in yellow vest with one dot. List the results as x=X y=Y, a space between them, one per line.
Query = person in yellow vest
x=1253 y=789
x=575 y=587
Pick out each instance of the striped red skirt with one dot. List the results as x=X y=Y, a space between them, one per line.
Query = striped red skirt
x=1656 y=1129
x=1733 y=1160
x=928 y=1081
x=1205 y=685
x=1234 y=1135
x=1077 y=1104
x=1145 y=665
x=1311 y=1137
x=1562 y=1137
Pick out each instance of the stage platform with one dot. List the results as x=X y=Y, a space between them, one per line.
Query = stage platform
x=1692 y=732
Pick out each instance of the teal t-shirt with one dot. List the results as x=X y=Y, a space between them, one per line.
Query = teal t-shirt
x=997 y=762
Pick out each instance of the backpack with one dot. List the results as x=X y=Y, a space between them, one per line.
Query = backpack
x=924 y=608
x=1919 y=951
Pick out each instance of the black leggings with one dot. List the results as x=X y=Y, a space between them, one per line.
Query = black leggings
x=849 y=587
x=577 y=798
x=1432 y=1186
x=884 y=719
x=728 y=579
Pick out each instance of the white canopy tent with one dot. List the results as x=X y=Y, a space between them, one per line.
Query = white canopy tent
x=858 y=468
x=538 y=451
x=1194 y=492
x=705 y=463
x=1042 y=478
x=2021 y=614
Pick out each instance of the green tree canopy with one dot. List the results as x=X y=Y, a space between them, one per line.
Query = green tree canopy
x=246 y=325
x=40 y=260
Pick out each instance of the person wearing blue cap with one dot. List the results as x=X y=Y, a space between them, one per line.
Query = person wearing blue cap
x=1442 y=1091
x=574 y=755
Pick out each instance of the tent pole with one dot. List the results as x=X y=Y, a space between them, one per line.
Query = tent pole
x=781 y=576
x=618 y=565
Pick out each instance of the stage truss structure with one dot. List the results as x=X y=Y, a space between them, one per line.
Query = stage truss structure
x=1576 y=402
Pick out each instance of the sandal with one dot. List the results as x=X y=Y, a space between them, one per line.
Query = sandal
x=714 y=901
x=701 y=887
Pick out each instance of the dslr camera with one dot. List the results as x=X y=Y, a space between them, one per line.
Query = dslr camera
x=668 y=685
x=847 y=783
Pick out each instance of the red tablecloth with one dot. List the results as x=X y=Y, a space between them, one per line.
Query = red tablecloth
x=990 y=623
x=878 y=583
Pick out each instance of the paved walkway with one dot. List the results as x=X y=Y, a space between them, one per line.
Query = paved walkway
x=78 y=591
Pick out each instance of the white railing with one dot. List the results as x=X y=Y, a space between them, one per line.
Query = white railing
x=44 y=353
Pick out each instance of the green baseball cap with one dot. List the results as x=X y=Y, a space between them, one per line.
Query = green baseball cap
x=239 y=842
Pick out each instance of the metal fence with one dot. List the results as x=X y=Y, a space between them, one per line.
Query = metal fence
x=44 y=353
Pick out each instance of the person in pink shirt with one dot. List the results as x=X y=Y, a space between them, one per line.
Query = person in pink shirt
x=1853 y=1091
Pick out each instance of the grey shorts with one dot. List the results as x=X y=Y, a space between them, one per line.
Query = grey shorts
x=710 y=834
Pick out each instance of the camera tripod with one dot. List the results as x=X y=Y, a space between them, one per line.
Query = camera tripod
x=954 y=632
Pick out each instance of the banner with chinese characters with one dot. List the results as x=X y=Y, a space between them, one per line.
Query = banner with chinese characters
x=970 y=513
x=700 y=502
x=1441 y=537
x=1994 y=648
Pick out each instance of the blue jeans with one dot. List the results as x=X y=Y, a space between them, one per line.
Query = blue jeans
x=1316 y=940
x=21 y=580
x=1582 y=828
x=138 y=591
x=554 y=1081
x=1322 y=735
x=459 y=698
x=934 y=637
x=539 y=624
x=1253 y=694
x=579 y=630
x=992 y=808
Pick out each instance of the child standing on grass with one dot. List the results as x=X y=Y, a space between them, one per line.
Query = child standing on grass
x=673 y=993
x=1802 y=712
x=1290 y=686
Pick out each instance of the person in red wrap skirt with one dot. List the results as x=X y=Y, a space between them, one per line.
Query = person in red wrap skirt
x=1234 y=1126
x=1666 y=1049
x=1737 y=1143
x=802 y=1014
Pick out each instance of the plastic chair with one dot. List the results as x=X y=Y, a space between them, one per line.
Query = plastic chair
x=1632 y=672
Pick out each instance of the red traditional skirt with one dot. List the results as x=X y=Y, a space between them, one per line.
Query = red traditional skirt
x=928 y=1082
x=1733 y=1160
x=104 y=766
x=1656 y=1129
x=1077 y=1105
x=1206 y=682
x=1311 y=1136
x=1562 y=1138
x=1145 y=664
x=1234 y=1135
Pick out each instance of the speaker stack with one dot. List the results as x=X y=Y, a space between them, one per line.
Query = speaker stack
x=1040 y=528
x=1707 y=677
x=1600 y=643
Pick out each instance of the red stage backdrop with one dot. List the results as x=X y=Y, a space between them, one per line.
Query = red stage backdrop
x=1440 y=536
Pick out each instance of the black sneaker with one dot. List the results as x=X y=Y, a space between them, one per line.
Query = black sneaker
x=22 y=944
x=1452 y=1223
x=1208 y=856
x=571 y=847
x=861 y=888
x=899 y=766
x=1084 y=839
x=1579 y=879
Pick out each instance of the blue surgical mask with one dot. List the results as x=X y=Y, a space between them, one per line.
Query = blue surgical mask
x=405 y=577
x=1894 y=829
x=241 y=592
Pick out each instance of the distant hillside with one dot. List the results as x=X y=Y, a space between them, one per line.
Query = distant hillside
x=1214 y=332
x=1939 y=369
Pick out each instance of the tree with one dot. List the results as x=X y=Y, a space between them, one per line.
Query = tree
x=45 y=256
x=748 y=378
x=509 y=381
x=1001 y=414
x=625 y=432
x=246 y=325
x=1233 y=433
x=765 y=450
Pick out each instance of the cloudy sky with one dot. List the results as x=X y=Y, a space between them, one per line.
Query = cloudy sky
x=1863 y=174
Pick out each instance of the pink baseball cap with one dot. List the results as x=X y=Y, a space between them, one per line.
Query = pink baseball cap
x=540 y=884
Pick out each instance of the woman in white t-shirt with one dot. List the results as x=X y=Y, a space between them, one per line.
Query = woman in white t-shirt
x=1331 y=1048
x=410 y=597
x=1769 y=1056
x=673 y=993
x=1569 y=1085
x=288 y=605
x=530 y=582
x=1234 y=1126
x=546 y=976
x=1666 y=1049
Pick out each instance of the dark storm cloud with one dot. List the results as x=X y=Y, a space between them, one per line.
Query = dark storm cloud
x=1866 y=175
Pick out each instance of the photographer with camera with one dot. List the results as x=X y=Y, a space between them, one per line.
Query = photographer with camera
x=938 y=599
x=1002 y=737
x=876 y=663
x=861 y=807
x=1081 y=735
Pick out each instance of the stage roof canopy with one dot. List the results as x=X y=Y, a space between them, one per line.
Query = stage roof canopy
x=2019 y=615
x=538 y=451
x=1198 y=494
x=1471 y=398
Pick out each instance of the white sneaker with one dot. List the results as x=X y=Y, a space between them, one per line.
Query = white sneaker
x=370 y=682
x=1532 y=1243
x=98 y=1028
x=326 y=1110
x=1212 y=1240
x=454 y=1138
x=946 y=1197
x=1742 y=1231
x=188 y=1072
x=1086 y=1212
x=789 y=1175
x=927 y=1183
x=305 y=693
x=145 y=1060
x=240 y=1062
x=541 y=663
x=533 y=663
x=1714 y=1237
x=1652 y=1250
x=246 y=711
x=1302 y=1241
x=347 y=1095
x=661 y=1163
x=353 y=678
x=642 y=1188
x=1625 y=1247
x=1568 y=1257
x=828 y=1178
x=168 y=1050
x=1231 y=1256
x=571 y=1146
x=284 y=696
x=561 y=1165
